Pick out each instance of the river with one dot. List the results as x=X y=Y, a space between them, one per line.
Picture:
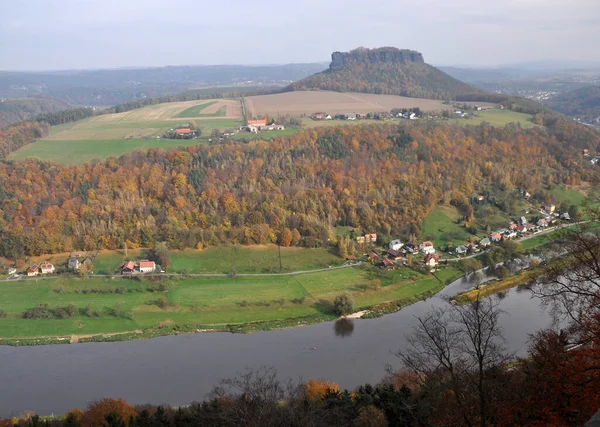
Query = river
x=181 y=369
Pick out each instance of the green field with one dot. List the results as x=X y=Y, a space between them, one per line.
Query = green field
x=563 y=194
x=109 y=135
x=215 y=259
x=204 y=302
x=441 y=226
x=79 y=152
x=195 y=111
x=250 y=259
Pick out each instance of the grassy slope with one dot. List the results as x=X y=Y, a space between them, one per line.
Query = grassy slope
x=441 y=223
x=194 y=111
x=82 y=151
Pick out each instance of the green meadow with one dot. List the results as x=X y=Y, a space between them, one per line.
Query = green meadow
x=106 y=306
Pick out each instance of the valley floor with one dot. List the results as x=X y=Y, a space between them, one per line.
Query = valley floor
x=73 y=309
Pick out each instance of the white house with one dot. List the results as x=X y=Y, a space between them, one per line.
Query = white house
x=484 y=243
x=12 y=270
x=47 y=268
x=396 y=245
x=427 y=248
x=147 y=266
x=73 y=264
x=462 y=249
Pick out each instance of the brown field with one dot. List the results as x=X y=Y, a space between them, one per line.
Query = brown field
x=309 y=102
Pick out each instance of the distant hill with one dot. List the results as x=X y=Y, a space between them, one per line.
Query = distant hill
x=583 y=103
x=111 y=87
x=388 y=71
x=16 y=110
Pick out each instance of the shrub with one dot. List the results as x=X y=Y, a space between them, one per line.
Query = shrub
x=72 y=310
x=88 y=311
x=343 y=304
x=40 y=312
x=2 y=313
x=298 y=300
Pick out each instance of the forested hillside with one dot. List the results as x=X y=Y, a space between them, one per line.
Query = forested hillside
x=16 y=110
x=387 y=71
x=583 y=103
x=382 y=178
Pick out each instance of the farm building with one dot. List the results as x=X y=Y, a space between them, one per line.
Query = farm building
x=257 y=123
x=147 y=266
x=128 y=267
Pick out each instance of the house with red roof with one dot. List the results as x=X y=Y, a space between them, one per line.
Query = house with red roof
x=432 y=260
x=257 y=123
x=427 y=248
x=33 y=270
x=147 y=266
x=387 y=263
x=128 y=267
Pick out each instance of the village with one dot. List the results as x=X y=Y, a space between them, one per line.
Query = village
x=376 y=251
x=84 y=265
x=398 y=254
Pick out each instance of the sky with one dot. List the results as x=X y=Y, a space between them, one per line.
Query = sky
x=90 y=34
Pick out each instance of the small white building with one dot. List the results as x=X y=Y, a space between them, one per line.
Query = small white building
x=427 y=248
x=12 y=270
x=147 y=266
x=396 y=245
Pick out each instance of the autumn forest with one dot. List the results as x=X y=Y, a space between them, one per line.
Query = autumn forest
x=379 y=178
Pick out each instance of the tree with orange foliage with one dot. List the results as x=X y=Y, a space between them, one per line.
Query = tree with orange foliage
x=285 y=238
x=96 y=412
x=318 y=389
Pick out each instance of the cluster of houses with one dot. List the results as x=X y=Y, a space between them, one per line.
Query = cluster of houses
x=397 y=252
x=409 y=115
x=35 y=269
x=256 y=126
x=141 y=267
x=181 y=133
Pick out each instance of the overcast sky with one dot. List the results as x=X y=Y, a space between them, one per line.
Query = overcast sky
x=73 y=34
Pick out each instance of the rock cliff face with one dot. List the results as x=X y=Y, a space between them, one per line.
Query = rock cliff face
x=383 y=55
x=386 y=71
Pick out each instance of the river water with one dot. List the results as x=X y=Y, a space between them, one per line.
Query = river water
x=181 y=369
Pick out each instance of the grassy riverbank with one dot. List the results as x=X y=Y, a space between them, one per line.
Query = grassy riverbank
x=114 y=309
x=495 y=287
